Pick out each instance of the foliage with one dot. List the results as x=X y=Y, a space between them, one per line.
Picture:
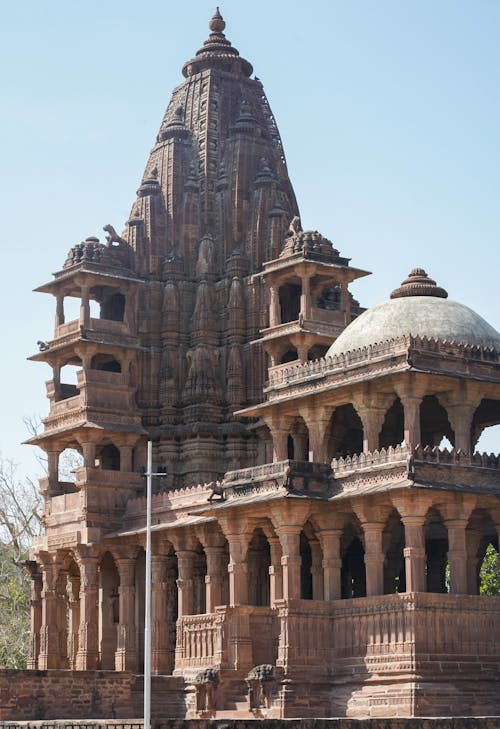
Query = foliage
x=14 y=611
x=489 y=575
x=20 y=522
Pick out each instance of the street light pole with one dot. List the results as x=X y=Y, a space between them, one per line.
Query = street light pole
x=162 y=473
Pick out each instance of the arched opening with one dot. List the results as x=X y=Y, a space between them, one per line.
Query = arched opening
x=289 y=356
x=68 y=379
x=109 y=611
x=264 y=446
x=199 y=587
x=392 y=432
x=298 y=441
x=113 y=306
x=436 y=552
x=306 y=578
x=486 y=427
x=108 y=458
x=329 y=298
x=483 y=569
x=353 y=572
x=393 y=542
x=69 y=461
x=317 y=351
x=105 y=363
x=434 y=423
x=289 y=295
x=259 y=561
x=344 y=433
x=489 y=440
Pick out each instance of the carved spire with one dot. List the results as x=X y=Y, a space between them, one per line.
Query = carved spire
x=217 y=51
x=418 y=283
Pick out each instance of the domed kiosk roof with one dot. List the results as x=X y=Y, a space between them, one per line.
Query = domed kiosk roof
x=419 y=308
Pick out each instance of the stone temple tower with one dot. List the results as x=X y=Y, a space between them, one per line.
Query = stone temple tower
x=333 y=568
x=179 y=309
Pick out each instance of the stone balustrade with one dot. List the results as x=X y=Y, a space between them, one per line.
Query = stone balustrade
x=117 y=479
x=293 y=373
x=464 y=628
x=199 y=640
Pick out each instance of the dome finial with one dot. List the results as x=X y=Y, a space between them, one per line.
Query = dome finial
x=217 y=23
x=418 y=283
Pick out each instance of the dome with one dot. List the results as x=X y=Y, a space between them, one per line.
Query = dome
x=419 y=308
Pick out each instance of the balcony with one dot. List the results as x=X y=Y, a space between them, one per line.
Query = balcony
x=400 y=466
x=100 y=396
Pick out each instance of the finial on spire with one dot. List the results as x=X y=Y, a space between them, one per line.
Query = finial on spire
x=217 y=23
x=419 y=283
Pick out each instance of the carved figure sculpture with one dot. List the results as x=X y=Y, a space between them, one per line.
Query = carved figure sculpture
x=206 y=683
x=260 y=683
x=112 y=235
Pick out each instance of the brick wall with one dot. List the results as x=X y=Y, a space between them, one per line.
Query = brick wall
x=41 y=695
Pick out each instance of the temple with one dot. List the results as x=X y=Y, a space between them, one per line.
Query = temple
x=315 y=548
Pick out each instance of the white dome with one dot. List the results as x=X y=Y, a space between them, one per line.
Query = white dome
x=428 y=315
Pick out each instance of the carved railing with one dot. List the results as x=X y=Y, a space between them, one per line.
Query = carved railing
x=392 y=454
x=389 y=348
x=199 y=640
x=102 y=377
x=70 y=327
x=407 y=631
x=401 y=454
x=108 y=325
x=65 y=502
x=127 y=479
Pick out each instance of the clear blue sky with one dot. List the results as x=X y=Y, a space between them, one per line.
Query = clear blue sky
x=389 y=112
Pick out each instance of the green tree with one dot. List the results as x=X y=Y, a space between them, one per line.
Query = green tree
x=20 y=522
x=489 y=574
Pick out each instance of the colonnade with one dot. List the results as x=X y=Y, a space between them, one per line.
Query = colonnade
x=87 y=606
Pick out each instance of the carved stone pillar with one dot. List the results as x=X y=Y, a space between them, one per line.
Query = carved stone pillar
x=185 y=594
x=300 y=447
x=317 y=421
x=160 y=653
x=372 y=420
x=332 y=563
x=49 y=633
x=59 y=310
x=460 y=417
x=457 y=555
x=374 y=558
x=291 y=561
x=126 y=452
x=238 y=570
x=62 y=617
x=305 y=297
x=36 y=614
x=414 y=553
x=274 y=307
x=411 y=407
x=74 y=620
x=88 y=449
x=53 y=470
x=214 y=580
x=345 y=303
x=85 y=307
x=280 y=444
x=275 y=571
x=87 y=658
x=126 y=652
